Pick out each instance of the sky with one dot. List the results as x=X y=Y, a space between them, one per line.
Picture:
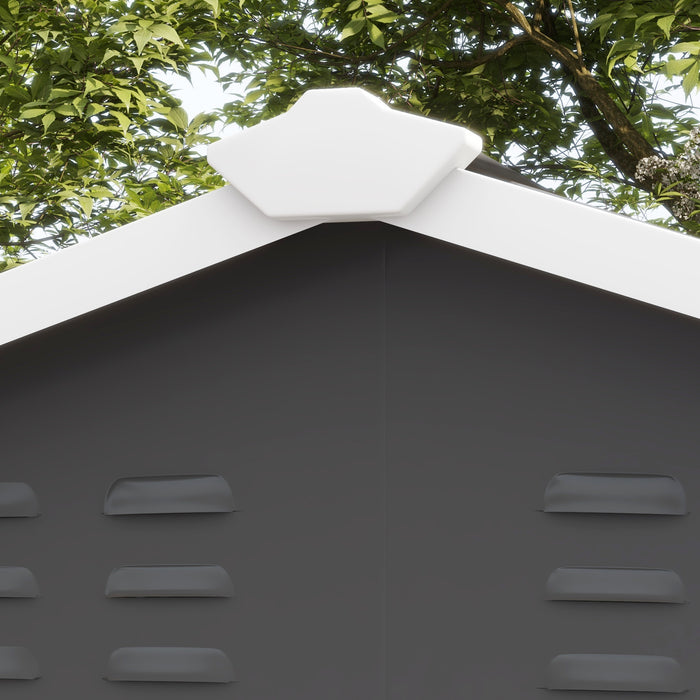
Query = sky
x=203 y=95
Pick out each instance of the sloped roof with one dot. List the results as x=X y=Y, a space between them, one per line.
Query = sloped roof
x=340 y=155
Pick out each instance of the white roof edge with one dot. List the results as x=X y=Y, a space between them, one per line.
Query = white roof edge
x=518 y=224
x=568 y=239
x=149 y=252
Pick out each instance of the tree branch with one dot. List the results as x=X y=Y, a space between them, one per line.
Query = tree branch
x=472 y=63
x=574 y=26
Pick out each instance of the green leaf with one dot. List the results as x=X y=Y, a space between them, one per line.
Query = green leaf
x=166 y=32
x=101 y=192
x=124 y=121
x=690 y=81
x=141 y=38
x=352 y=28
x=26 y=208
x=92 y=109
x=676 y=66
x=355 y=5
x=124 y=95
x=377 y=11
x=691 y=47
x=65 y=110
x=33 y=112
x=19 y=93
x=62 y=93
x=665 y=24
x=85 y=204
x=646 y=18
x=178 y=117
x=386 y=18
x=603 y=22
x=92 y=84
x=47 y=120
x=109 y=53
x=214 y=4
x=252 y=96
x=138 y=62
x=375 y=34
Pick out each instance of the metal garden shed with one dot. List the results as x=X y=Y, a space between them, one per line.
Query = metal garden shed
x=361 y=425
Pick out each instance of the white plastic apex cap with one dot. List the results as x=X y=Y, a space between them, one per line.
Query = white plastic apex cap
x=341 y=154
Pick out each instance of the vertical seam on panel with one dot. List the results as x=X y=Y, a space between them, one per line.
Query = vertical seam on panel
x=385 y=620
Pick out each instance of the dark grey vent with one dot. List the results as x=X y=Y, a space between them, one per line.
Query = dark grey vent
x=145 y=495
x=18 y=500
x=18 y=663
x=649 y=494
x=621 y=585
x=17 y=582
x=169 y=582
x=170 y=664
x=615 y=672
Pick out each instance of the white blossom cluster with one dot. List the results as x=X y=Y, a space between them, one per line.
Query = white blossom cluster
x=680 y=174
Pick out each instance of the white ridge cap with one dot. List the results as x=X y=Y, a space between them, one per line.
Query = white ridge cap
x=341 y=154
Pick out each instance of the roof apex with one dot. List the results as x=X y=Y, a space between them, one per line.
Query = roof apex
x=341 y=154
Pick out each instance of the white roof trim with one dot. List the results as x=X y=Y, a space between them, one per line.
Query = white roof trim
x=133 y=258
x=514 y=223
x=568 y=239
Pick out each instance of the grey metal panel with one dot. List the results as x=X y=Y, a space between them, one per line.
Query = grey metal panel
x=388 y=411
x=497 y=378
x=266 y=370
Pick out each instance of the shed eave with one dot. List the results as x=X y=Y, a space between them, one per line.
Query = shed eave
x=522 y=225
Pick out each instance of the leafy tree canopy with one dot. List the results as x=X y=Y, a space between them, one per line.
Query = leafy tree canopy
x=574 y=93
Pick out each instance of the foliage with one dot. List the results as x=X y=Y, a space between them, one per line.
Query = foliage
x=571 y=92
x=574 y=93
x=90 y=136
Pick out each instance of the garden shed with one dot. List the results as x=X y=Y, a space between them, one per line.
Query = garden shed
x=362 y=424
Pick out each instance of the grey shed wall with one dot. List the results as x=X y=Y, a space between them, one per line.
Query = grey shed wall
x=388 y=411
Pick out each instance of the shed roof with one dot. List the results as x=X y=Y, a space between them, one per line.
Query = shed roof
x=311 y=165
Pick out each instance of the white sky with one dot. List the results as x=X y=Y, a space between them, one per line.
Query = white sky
x=203 y=95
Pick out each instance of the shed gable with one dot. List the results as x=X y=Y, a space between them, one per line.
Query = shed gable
x=388 y=410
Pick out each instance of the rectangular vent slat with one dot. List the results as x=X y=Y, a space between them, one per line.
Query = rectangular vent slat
x=169 y=582
x=18 y=663
x=169 y=665
x=149 y=495
x=578 y=583
x=17 y=582
x=18 y=500
x=615 y=672
x=644 y=494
